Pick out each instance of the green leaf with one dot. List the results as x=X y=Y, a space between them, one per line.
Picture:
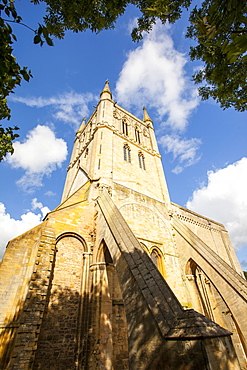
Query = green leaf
x=37 y=39
x=49 y=41
x=40 y=29
x=45 y=32
x=14 y=13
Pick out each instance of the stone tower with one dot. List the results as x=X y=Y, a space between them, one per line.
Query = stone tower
x=118 y=276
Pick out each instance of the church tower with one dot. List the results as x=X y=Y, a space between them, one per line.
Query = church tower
x=118 y=276
x=117 y=147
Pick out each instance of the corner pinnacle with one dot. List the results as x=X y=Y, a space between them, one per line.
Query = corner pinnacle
x=106 y=91
x=146 y=117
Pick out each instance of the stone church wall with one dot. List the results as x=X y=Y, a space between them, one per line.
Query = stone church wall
x=112 y=276
x=211 y=232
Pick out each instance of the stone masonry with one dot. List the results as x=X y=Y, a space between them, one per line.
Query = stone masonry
x=118 y=277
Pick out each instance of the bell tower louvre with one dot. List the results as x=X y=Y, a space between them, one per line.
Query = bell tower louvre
x=118 y=276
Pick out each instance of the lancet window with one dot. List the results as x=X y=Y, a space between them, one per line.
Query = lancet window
x=201 y=284
x=137 y=135
x=156 y=257
x=125 y=127
x=126 y=153
x=141 y=159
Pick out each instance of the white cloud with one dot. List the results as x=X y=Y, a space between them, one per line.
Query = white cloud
x=224 y=199
x=36 y=204
x=132 y=24
x=40 y=154
x=184 y=150
x=39 y=205
x=10 y=228
x=69 y=107
x=154 y=75
x=50 y=193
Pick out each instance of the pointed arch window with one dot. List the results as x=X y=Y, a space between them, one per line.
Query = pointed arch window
x=141 y=159
x=126 y=153
x=200 y=283
x=157 y=259
x=137 y=135
x=125 y=127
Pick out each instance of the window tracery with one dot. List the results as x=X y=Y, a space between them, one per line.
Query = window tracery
x=154 y=257
x=124 y=127
x=157 y=259
x=145 y=133
x=141 y=159
x=137 y=135
x=126 y=153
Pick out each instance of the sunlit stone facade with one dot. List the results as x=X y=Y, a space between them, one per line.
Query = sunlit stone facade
x=118 y=276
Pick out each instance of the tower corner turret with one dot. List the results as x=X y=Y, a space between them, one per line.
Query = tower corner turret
x=106 y=92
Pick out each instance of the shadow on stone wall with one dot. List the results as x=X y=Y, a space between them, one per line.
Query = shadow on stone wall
x=60 y=329
x=48 y=332
x=62 y=332
x=62 y=345
x=197 y=343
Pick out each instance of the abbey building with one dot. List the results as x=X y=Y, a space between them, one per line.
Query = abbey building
x=117 y=276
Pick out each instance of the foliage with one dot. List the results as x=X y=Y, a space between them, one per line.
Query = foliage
x=60 y=16
x=11 y=74
x=102 y=14
x=10 y=71
x=7 y=136
x=220 y=28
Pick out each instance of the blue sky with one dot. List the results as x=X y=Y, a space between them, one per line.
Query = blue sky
x=203 y=148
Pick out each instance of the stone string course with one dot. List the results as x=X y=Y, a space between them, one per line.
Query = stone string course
x=79 y=291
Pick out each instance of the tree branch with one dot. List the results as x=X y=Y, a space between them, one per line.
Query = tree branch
x=23 y=24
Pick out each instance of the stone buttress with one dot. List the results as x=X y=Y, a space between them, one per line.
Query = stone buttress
x=118 y=276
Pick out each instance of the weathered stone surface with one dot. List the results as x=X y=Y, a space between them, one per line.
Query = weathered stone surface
x=113 y=277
